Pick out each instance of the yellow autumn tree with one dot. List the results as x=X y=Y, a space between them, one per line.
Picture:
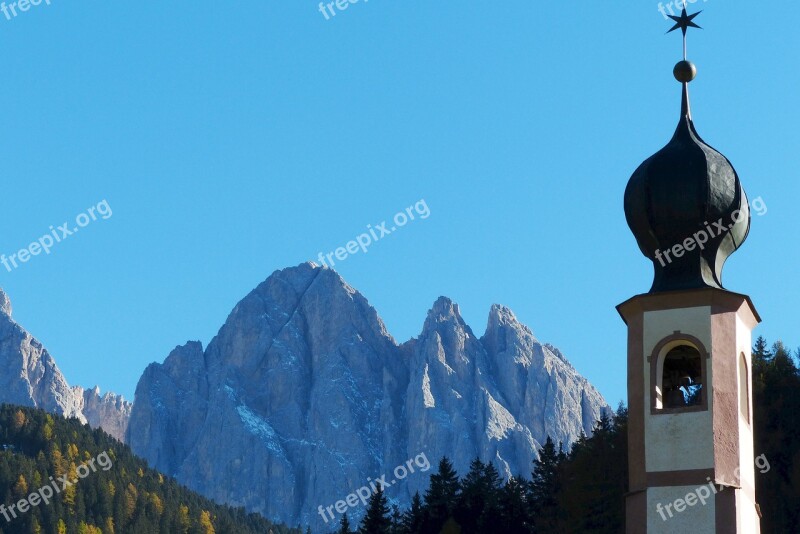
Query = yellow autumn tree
x=131 y=495
x=206 y=526
x=85 y=528
x=58 y=462
x=108 y=528
x=68 y=494
x=156 y=503
x=19 y=419
x=185 y=520
x=47 y=431
x=21 y=487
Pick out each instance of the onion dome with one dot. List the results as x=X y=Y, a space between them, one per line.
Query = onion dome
x=686 y=206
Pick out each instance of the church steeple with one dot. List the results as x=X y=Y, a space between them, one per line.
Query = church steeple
x=690 y=424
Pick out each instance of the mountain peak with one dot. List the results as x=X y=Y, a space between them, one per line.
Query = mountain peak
x=298 y=277
x=444 y=311
x=5 y=303
x=444 y=307
x=501 y=316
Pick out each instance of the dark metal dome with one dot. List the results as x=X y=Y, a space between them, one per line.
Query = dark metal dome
x=687 y=209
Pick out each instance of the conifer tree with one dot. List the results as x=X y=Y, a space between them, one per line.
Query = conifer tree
x=414 y=517
x=441 y=497
x=478 y=503
x=344 y=525
x=397 y=520
x=377 y=520
x=472 y=497
x=592 y=490
x=545 y=489
x=514 y=507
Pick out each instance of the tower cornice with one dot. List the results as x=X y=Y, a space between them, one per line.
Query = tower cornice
x=689 y=298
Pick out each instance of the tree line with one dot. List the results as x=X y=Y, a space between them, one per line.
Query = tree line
x=583 y=490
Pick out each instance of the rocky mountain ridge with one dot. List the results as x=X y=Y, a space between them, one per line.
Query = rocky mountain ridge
x=304 y=395
x=29 y=376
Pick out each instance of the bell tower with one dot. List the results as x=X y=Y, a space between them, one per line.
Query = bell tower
x=690 y=441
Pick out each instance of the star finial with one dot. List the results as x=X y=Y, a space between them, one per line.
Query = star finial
x=684 y=22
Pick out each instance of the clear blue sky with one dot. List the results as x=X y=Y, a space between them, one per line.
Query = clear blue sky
x=234 y=139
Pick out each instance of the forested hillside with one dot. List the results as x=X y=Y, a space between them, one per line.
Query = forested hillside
x=776 y=405
x=59 y=476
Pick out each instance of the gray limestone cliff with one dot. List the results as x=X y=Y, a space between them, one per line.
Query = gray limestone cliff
x=30 y=377
x=111 y=412
x=303 y=396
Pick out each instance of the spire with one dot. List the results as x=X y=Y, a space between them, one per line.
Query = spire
x=685 y=71
x=674 y=198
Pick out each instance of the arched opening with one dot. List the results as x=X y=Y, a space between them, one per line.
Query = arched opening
x=744 y=388
x=679 y=375
x=682 y=378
